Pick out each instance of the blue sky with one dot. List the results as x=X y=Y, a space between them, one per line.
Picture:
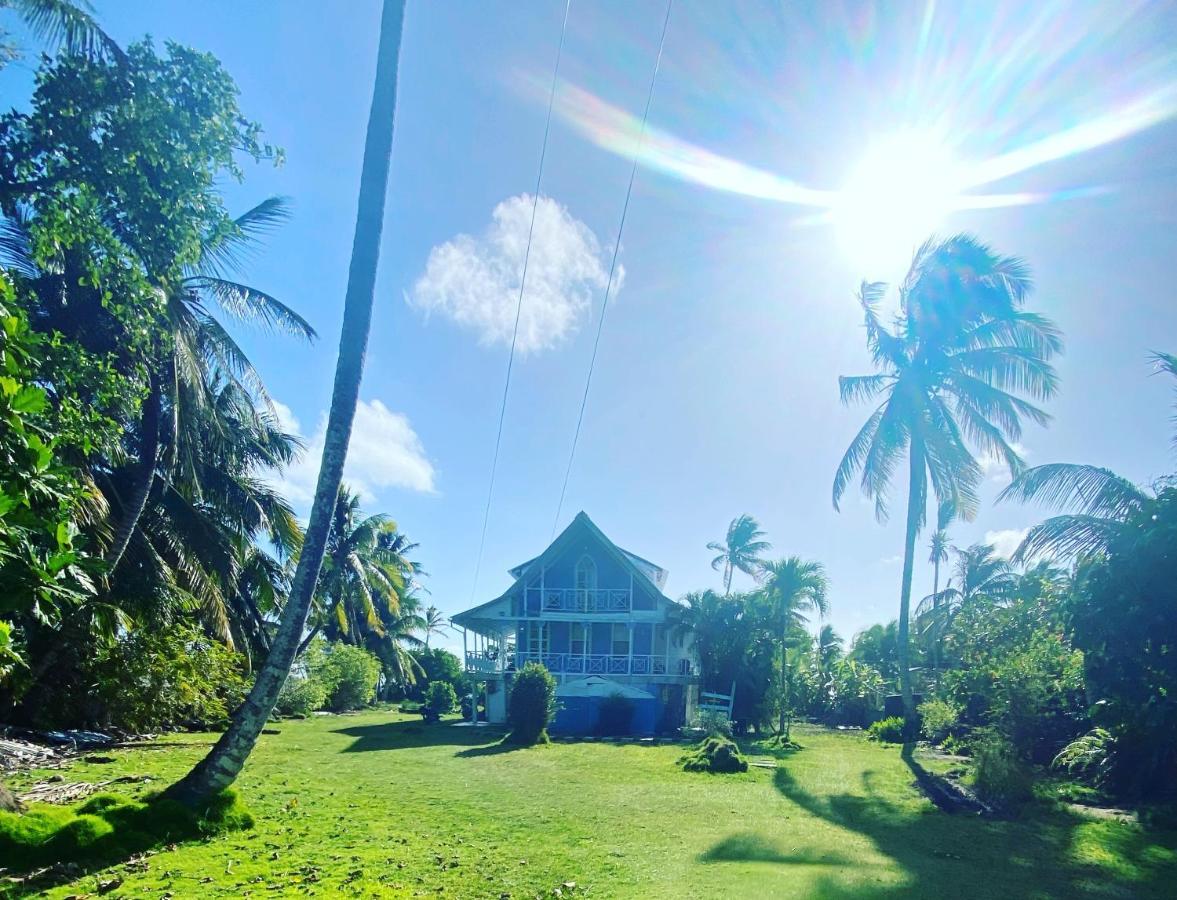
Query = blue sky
x=715 y=390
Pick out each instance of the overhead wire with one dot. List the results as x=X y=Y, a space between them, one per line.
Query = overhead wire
x=613 y=265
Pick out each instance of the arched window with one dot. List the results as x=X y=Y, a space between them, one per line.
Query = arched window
x=586 y=582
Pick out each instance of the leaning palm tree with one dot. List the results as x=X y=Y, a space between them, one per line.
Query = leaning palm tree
x=793 y=588
x=223 y=763
x=951 y=369
x=1104 y=505
x=742 y=548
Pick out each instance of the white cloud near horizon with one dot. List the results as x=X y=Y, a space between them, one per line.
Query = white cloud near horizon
x=474 y=280
x=385 y=452
x=1006 y=540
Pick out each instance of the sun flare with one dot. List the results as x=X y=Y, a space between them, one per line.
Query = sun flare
x=898 y=194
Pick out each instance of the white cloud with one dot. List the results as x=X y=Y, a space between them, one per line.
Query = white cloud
x=1006 y=541
x=892 y=560
x=994 y=469
x=474 y=281
x=384 y=452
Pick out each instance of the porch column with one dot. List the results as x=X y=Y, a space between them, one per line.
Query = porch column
x=629 y=665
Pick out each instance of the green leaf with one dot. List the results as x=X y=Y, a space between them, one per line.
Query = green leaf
x=29 y=399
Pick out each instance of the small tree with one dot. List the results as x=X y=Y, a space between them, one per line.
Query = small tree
x=349 y=674
x=439 y=700
x=533 y=705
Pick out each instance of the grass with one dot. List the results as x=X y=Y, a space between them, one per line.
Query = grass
x=378 y=805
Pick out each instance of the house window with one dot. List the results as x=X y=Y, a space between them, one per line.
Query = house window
x=539 y=638
x=620 y=639
x=578 y=638
x=586 y=574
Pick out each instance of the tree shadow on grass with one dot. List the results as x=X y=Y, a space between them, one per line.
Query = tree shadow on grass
x=943 y=855
x=410 y=735
x=749 y=846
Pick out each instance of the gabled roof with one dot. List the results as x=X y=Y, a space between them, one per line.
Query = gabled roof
x=654 y=575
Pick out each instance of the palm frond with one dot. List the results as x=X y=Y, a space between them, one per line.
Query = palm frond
x=251 y=306
x=1068 y=536
x=853 y=458
x=69 y=24
x=1088 y=490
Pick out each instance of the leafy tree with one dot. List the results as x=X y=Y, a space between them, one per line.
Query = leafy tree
x=220 y=768
x=950 y=373
x=349 y=674
x=742 y=548
x=437 y=664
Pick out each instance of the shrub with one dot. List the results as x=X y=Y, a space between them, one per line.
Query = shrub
x=939 y=718
x=439 y=700
x=533 y=705
x=1089 y=757
x=999 y=776
x=301 y=696
x=887 y=731
x=715 y=724
x=439 y=665
x=168 y=676
x=719 y=755
x=349 y=675
x=615 y=715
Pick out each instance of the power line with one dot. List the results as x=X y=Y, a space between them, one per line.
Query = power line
x=613 y=265
x=519 y=303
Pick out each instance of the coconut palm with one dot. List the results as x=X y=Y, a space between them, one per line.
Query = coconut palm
x=1104 y=505
x=223 y=763
x=435 y=623
x=742 y=548
x=65 y=24
x=198 y=350
x=939 y=555
x=793 y=589
x=979 y=572
x=951 y=369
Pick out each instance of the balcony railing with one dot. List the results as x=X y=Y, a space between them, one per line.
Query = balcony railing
x=575 y=600
x=493 y=662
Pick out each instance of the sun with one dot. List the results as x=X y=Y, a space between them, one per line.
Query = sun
x=899 y=193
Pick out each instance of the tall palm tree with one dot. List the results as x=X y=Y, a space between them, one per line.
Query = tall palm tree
x=793 y=588
x=435 y=623
x=951 y=368
x=223 y=763
x=1105 y=505
x=939 y=548
x=742 y=548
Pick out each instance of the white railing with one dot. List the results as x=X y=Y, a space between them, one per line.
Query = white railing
x=605 y=664
x=484 y=662
x=575 y=600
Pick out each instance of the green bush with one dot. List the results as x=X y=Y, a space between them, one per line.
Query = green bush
x=715 y=724
x=615 y=715
x=439 y=700
x=719 y=755
x=1089 y=757
x=348 y=674
x=999 y=775
x=533 y=705
x=108 y=827
x=168 y=676
x=439 y=665
x=887 y=731
x=301 y=696
x=939 y=718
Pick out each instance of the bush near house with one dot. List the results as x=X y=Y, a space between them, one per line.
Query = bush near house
x=532 y=706
x=614 y=715
x=718 y=755
x=439 y=700
x=887 y=731
x=438 y=665
x=349 y=675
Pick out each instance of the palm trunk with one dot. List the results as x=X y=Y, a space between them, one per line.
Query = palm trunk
x=781 y=723
x=936 y=617
x=727 y=580
x=916 y=500
x=148 y=458
x=224 y=762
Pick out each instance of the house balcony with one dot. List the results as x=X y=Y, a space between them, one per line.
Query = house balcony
x=492 y=663
x=574 y=600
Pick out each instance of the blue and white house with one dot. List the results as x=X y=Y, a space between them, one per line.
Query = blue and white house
x=595 y=616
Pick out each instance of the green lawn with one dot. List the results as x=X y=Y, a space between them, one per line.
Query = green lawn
x=377 y=805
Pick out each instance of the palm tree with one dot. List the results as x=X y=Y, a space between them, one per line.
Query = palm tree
x=793 y=587
x=223 y=763
x=979 y=572
x=939 y=548
x=196 y=345
x=435 y=623
x=960 y=352
x=742 y=549
x=68 y=25
x=1105 y=505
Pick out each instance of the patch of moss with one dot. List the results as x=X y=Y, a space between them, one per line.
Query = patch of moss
x=108 y=827
x=714 y=754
